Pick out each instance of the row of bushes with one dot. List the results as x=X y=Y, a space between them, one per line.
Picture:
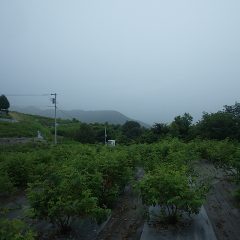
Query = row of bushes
x=70 y=181
x=171 y=180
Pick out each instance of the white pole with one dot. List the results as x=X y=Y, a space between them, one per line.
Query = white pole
x=105 y=135
x=55 y=116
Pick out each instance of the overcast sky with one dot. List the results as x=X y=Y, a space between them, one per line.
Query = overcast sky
x=149 y=59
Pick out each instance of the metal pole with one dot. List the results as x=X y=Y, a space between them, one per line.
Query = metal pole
x=55 y=117
x=105 y=136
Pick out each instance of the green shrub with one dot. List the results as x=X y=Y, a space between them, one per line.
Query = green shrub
x=63 y=196
x=15 y=230
x=221 y=153
x=171 y=189
x=6 y=186
x=18 y=168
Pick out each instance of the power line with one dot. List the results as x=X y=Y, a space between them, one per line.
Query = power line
x=27 y=95
x=54 y=101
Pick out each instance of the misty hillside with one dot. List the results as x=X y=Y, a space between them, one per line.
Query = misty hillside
x=101 y=116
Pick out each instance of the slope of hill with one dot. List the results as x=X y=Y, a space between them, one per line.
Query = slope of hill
x=23 y=125
x=112 y=117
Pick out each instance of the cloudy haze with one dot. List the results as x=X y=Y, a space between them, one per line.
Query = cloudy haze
x=149 y=59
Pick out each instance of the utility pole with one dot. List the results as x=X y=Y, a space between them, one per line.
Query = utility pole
x=54 y=101
x=105 y=136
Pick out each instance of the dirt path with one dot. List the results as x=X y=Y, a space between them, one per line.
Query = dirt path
x=127 y=219
x=222 y=210
x=221 y=206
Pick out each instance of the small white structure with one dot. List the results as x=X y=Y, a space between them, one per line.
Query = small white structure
x=111 y=143
x=39 y=135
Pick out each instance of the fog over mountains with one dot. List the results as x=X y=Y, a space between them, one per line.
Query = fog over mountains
x=100 y=116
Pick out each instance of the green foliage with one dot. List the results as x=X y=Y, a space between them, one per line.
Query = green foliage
x=131 y=130
x=68 y=130
x=160 y=129
x=181 y=125
x=30 y=147
x=22 y=129
x=18 y=170
x=21 y=168
x=85 y=134
x=234 y=109
x=88 y=133
x=4 y=103
x=15 y=230
x=219 y=126
x=6 y=185
x=148 y=137
x=236 y=164
x=62 y=197
x=222 y=153
x=77 y=181
x=173 y=189
x=168 y=150
x=115 y=167
x=6 y=116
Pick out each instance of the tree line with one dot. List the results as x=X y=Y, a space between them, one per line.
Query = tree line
x=219 y=126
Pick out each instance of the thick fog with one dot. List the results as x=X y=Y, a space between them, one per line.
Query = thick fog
x=149 y=59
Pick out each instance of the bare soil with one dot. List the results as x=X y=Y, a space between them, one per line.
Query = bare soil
x=127 y=219
x=221 y=206
x=222 y=210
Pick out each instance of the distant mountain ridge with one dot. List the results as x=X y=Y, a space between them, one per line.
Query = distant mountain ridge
x=99 y=116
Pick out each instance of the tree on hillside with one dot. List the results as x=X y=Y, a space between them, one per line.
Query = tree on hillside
x=219 y=126
x=85 y=134
x=4 y=103
x=181 y=125
x=234 y=109
x=131 y=129
x=148 y=136
x=160 y=128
